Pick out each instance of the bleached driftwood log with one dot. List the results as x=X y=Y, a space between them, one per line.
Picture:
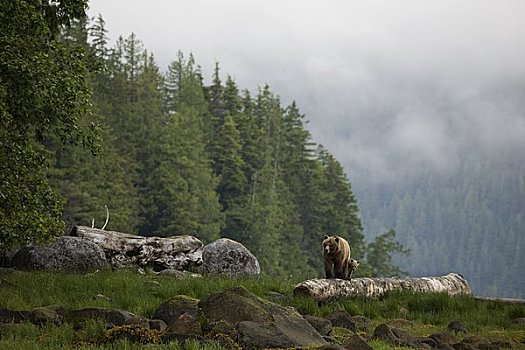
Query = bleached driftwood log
x=124 y=249
x=329 y=289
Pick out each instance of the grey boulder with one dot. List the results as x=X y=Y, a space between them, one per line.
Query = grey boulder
x=228 y=257
x=68 y=254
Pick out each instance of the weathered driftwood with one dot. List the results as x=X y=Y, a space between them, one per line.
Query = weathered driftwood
x=329 y=289
x=511 y=301
x=124 y=249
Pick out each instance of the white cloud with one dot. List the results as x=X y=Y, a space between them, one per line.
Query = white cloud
x=378 y=80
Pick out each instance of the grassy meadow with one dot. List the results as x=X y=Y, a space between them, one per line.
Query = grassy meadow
x=142 y=294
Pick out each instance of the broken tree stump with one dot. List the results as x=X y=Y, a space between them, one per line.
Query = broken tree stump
x=330 y=289
x=124 y=249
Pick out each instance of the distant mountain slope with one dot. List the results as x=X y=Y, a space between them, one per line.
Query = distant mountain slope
x=471 y=221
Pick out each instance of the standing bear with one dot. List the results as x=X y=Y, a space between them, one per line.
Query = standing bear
x=336 y=251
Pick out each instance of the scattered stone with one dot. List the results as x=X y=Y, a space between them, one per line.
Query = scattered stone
x=330 y=347
x=53 y=314
x=101 y=297
x=398 y=337
x=277 y=297
x=225 y=342
x=341 y=318
x=139 y=321
x=475 y=341
x=428 y=341
x=406 y=339
x=158 y=325
x=362 y=323
x=463 y=346
x=223 y=327
x=329 y=339
x=445 y=347
x=357 y=342
x=111 y=316
x=322 y=325
x=444 y=338
x=505 y=344
x=458 y=327
x=186 y=325
x=258 y=335
x=8 y=316
x=67 y=254
x=227 y=257
x=170 y=310
x=225 y=334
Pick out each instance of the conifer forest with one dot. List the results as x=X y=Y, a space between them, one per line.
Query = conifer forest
x=88 y=124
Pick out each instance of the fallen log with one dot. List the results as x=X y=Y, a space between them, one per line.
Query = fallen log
x=330 y=289
x=124 y=249
x=510 y=301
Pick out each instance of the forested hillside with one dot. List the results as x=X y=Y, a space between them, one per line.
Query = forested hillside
x=169 y=154
x=470 y=220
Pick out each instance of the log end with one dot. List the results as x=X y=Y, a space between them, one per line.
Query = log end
x=302 y=290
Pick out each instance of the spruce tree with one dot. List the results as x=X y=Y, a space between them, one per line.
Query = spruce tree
x=181 y=184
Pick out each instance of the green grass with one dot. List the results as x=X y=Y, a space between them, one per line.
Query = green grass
x=426 y=313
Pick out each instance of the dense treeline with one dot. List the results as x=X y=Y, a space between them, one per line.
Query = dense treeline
x=470 y=220
x=170 y=155
x=182 y=157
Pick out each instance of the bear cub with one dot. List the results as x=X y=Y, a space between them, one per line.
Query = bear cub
x=336 y=252
x=353 y=264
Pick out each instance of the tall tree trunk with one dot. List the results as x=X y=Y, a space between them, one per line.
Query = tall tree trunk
x=329 y=289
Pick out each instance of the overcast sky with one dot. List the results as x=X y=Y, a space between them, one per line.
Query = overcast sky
x=379 y=81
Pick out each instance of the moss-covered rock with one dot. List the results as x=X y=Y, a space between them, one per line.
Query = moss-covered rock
x=260 y=323
x=53 y=314
x=171 y=309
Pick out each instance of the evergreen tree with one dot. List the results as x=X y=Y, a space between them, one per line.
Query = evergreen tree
x=379 y=256
x=91 y=181
x=181 y=184
x=99 y=38
x=343 y=217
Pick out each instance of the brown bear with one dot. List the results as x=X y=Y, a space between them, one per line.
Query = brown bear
x=353 y=264
x=336 y=251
